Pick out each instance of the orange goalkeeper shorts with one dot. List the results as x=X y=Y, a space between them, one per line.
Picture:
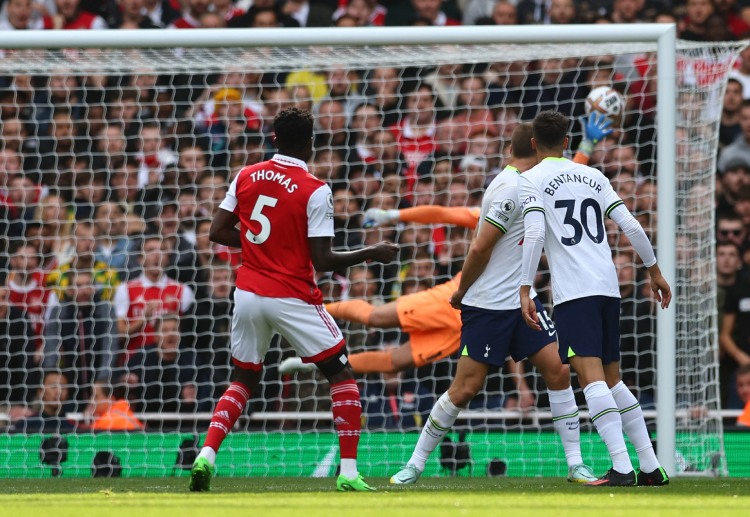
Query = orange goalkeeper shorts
x=434 y=326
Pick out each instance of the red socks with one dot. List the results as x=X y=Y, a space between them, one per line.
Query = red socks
x=346 y=407
x=347 y=416
x=228 y=410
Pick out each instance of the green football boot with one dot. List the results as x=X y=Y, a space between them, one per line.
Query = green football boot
x=358 y=484
x=200 y=475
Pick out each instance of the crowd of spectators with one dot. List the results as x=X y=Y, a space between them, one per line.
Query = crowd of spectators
x=114 y=301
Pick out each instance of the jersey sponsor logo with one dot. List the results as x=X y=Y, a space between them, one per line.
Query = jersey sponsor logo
x=527 y=201
x=278 y=177
x=562 y=179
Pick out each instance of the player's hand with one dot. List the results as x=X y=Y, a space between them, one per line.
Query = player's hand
x=457 y=298
x=661 y=290
x=526 y=399
x=151 y=308
x=528 y=311
x=596 y=126
x=58 y=21
x=16 y=413
x=189 y=394
x=742 y=358
x=377 y=217
x=384 y=252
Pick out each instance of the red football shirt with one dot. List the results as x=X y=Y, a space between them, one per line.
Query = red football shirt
x=32 y=298
x=414 y=148
x=280 y=205
x=186 y=22
x=84 y=21
x=131 y=298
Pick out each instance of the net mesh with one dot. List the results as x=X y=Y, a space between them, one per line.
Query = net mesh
x=114 y=161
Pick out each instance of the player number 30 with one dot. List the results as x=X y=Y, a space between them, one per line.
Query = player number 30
x=260 y=218
x=581 y=224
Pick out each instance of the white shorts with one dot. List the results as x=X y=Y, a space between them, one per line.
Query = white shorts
x=309 y=329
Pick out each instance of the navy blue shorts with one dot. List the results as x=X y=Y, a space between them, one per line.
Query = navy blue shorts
x=490 y=336
x=589 y=327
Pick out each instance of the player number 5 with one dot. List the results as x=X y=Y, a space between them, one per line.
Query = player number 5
x=257 y=215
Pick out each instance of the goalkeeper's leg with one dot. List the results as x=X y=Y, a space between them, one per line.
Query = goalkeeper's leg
x=469 y=379
x=384 y=316
x=361 y=311
x=389 y=360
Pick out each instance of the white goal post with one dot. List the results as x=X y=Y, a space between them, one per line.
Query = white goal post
x=659 y=38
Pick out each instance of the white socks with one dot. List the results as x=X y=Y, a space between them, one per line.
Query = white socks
x=209 y=454
x=635 y=427
x=606 y=418
x=348 y=468
x=565 y=418
x=441 y=419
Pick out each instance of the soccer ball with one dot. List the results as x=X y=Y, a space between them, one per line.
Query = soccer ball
x=607 y=101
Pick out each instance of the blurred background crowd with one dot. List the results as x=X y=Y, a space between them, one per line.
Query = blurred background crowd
x=114 y=302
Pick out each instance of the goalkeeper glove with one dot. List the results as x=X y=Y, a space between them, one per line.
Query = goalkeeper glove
x=377 y=217
x=595 y=127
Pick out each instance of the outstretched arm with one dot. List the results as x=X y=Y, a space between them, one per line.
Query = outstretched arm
x=432 y=214
x=426 y=214
x=325 y=259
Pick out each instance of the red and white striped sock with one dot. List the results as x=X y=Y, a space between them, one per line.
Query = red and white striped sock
x=229 y=408
x=347 y=418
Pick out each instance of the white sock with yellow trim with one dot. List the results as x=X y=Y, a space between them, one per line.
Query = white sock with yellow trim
x=634 y=426
x=564 y=410
x=606 y=418
x=441 y=419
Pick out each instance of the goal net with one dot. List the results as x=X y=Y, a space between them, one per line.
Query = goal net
x=114 y=161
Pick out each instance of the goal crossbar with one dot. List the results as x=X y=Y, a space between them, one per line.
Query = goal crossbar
x=360 y=36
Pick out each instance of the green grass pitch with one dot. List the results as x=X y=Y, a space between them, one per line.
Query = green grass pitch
x=304 y=497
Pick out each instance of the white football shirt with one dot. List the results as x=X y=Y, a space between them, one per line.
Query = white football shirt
x=497 y=287
x=575 y=199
